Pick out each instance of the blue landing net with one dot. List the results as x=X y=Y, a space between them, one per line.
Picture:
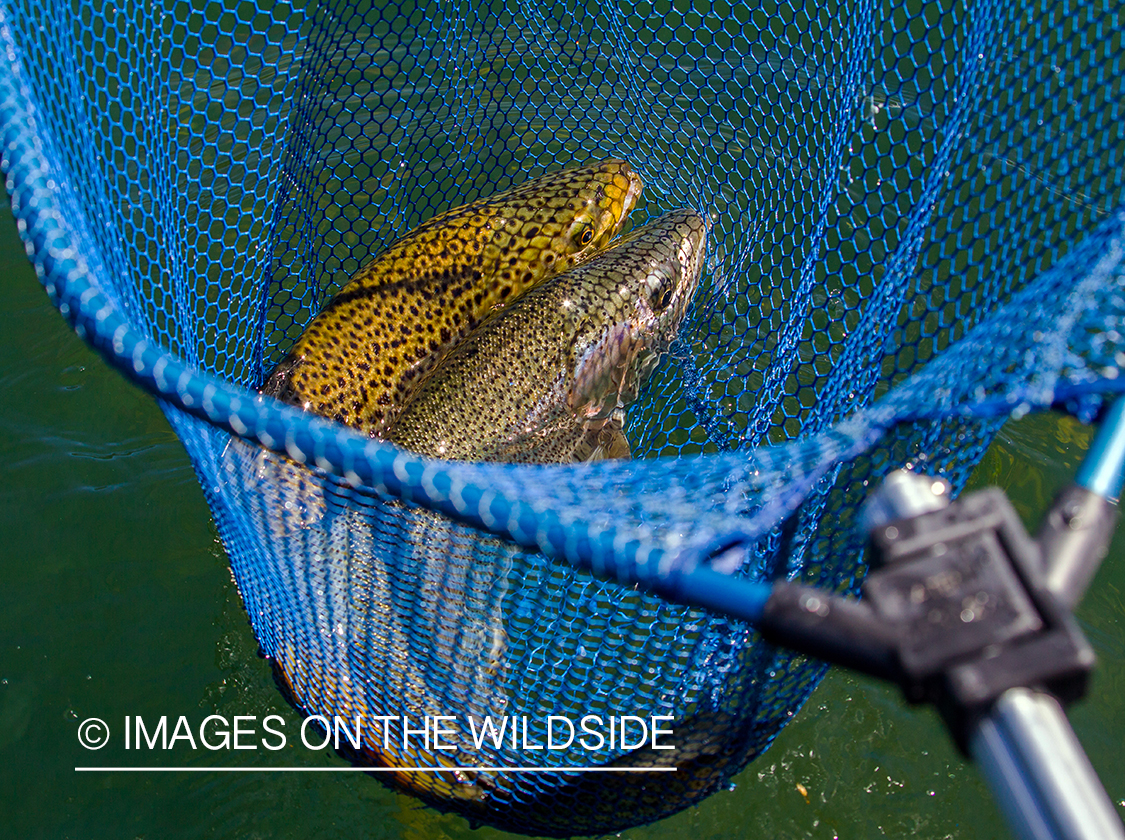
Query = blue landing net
x=919 y=231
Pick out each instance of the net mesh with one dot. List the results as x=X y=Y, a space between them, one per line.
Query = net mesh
x=918 y=212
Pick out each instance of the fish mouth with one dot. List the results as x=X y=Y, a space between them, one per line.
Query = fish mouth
x=631 y=196
x=628 y=202
x=693 y=250
x=693 y=253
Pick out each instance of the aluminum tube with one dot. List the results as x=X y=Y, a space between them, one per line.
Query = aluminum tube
x=1039 y=773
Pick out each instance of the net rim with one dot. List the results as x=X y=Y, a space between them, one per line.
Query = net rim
x=38 y=197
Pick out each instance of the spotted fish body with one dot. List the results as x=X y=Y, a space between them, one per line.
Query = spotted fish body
x=545 y=379
x=362 y=355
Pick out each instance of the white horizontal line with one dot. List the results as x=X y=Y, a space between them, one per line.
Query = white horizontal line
x=374 y=769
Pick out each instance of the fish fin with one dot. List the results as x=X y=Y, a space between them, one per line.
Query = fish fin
x=603 y=441
x=605 y=377
x=564 y=441
x=618 y=446
x=609 y=443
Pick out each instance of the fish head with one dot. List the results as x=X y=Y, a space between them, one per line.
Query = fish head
x=548 y=225
x=674 y=247
x=632 y=301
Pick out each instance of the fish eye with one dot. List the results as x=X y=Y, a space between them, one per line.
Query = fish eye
x=585 y=236
x=662 y=298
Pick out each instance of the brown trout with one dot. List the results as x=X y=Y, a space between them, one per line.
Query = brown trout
x=362 y=355
x=545 y=379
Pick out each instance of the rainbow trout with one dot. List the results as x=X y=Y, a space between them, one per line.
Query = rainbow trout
x=545 y=379
x=362 y=355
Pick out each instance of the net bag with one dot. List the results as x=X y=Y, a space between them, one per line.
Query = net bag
x=917 y=219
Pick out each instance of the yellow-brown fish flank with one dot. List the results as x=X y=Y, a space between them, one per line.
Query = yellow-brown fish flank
x=363 y=354
x=545 y=379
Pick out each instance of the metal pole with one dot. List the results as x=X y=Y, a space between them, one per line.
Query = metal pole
x=1039 y=773
x=1027 y=751
x=1103 y=469
x=1077 y=530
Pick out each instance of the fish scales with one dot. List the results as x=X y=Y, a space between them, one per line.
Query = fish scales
x=545 y=379
x=361 y=356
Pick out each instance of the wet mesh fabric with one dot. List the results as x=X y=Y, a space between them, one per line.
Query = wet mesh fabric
x=918 y=231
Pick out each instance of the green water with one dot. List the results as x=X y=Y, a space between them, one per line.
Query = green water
x=118 y=601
